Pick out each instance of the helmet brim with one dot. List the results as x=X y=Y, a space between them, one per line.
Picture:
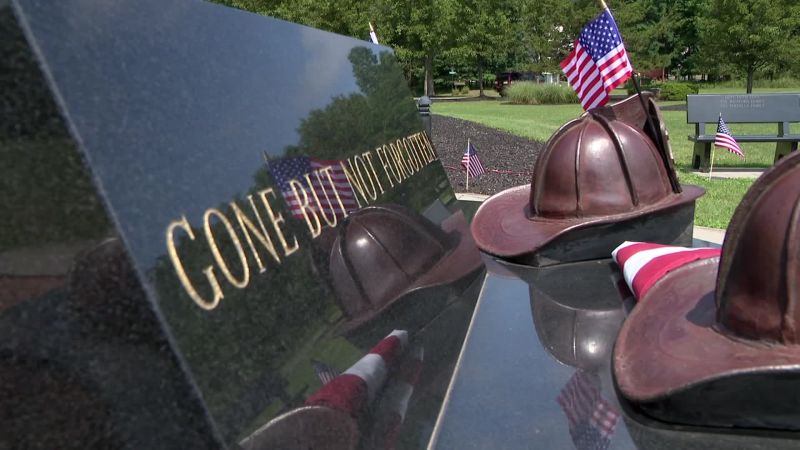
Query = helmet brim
x=458 y=265
x=672 y=351
x=503 y=226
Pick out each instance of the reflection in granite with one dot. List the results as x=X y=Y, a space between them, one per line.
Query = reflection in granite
x=157 y=287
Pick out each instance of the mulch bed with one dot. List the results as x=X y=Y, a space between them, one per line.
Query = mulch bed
x=498 y=151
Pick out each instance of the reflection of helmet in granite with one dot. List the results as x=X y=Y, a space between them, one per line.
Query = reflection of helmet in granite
x=384 y=252
x=717 y=341
x=576 y=313
x=594 y=170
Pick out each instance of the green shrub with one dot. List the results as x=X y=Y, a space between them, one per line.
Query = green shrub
x=644 y=84
x=675 y=90
x=530 y=93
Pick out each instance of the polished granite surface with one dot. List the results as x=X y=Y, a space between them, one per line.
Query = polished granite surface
x=187 y=184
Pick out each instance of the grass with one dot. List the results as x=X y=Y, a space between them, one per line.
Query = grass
x=538 y=122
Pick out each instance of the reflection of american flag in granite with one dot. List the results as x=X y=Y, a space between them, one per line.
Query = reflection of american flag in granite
x=591 y=418
x=286 y=169
x=324 y=372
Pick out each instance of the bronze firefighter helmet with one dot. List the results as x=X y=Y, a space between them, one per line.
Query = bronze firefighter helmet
x=383 y=253
x=595 y=170
x=717 y=342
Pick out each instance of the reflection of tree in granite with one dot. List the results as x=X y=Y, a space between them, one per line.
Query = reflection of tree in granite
x=383 y=112
x=34 y=146
x=237 y=351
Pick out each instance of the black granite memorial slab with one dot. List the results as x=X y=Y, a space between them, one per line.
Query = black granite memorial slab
x=207 y=216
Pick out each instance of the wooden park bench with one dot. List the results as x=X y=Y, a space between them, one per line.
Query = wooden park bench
x=781 y=109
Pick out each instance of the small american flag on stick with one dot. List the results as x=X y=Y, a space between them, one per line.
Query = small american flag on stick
x=471 y=162
x=287 y=169
x=591 y=418
x=725 y=139
x=324 y=372
x=598 y=63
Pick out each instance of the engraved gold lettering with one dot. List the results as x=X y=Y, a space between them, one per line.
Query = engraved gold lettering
x=368 y=156
x=428 y=145
x=398 y=161
x=181 y=272
x=277 y=220
x=385 y=152
x=328 y=171
x=249 y=230
x=411 y=152
x=414 y=139
x=355 y=184
x=321 y=208
x=359 y=162
x=308 y=211
x=212 y=243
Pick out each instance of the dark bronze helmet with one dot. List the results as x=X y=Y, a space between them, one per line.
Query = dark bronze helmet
x=576 y=312
x=595 y=167
x=383 y=253
x=716 y=341
x=601 y=171
x=758 y=288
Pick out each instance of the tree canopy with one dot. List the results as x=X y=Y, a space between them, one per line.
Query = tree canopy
x=478 y=38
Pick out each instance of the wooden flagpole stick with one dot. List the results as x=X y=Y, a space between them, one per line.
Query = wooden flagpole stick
x=711 y=168
x=468 y=161
x=662 y=146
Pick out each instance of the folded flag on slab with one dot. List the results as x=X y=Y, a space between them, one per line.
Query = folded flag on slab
x=356 y=388
x=598 y=63
x=391 y=411
x=471 y=162
x=643 y=263
x=725 y=139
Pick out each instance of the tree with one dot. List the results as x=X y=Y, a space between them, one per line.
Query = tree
x=487 y=32
x=419 y=31
x=749 y=35
x=649 y=29
x=550 y=27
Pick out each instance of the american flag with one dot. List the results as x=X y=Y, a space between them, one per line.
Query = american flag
x=324 y=372
x=591 y=418
x=725 y=139
x=471 y=162
x=286 y=169
x=598 y=63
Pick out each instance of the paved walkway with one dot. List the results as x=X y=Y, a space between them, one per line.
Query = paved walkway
x=733 y=172
x=714 y=235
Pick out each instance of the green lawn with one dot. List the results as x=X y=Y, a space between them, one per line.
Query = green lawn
x=538 y=122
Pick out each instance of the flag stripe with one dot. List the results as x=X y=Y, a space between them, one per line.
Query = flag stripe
x=471 y=162
x=725 y=139
x=643 y=264
x=321 y=194
x=598 y=62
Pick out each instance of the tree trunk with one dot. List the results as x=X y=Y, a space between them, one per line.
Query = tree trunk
x=429 y=91
x=750 y=71
x=480 y=78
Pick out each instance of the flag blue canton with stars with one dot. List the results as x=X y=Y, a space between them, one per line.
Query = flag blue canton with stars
x=600 y=36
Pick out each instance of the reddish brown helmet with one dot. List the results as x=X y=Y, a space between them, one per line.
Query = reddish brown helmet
x=383 y=253
x=595 y=170
x=716 y=342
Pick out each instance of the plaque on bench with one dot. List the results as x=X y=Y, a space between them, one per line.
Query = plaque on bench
x=179 y=182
